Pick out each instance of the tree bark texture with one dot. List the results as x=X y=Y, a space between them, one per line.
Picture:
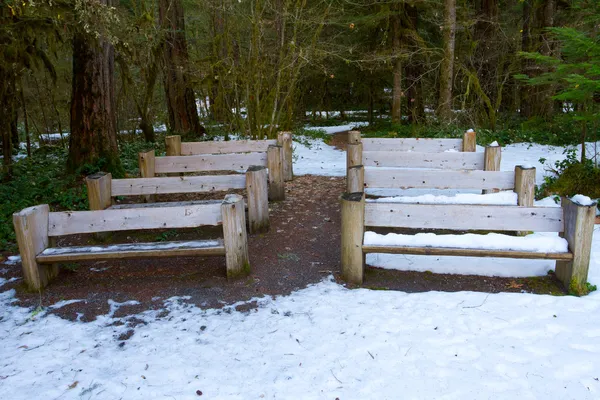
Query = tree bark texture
x=93 y=109
x=181 y=101
x=397 y=92
x=447 y=66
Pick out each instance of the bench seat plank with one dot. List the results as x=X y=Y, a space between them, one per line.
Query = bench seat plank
x=133 y=250
x=452 y=251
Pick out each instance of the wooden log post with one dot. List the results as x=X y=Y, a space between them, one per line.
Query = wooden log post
x=353 y=227
x=492 y=157
x=275 y=165
x=356 y=179
x=31 y=229
x=173 y=146
x=99 y=188
x=235 y=237
x=579 y=229
x=469 y=141
x=525 y=188
x=146 y=162
x=525 y=185
x=258 y=199
x=284 y=139
x=354 y=155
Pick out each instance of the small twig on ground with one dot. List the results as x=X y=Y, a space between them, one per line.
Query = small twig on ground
x=335 y=376
x=370 y=354
x=484 y=300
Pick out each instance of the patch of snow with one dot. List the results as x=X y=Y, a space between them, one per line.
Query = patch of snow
x=12 y=260
x=63 y=303
x=582 y=200
x=451 y=151
x=132 y=246
x=492 y=241
x=500 y=198
x=336 y=129
x=314 y=157
x=470 y=131
x=494 y=144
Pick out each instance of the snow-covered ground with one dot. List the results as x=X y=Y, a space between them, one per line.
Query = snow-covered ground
x=322 y=342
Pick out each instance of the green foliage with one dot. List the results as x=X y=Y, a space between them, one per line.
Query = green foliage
x=40 y=179
x=571 y=177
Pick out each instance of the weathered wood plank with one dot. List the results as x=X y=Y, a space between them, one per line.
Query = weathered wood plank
x=184 y=184
x=133 y=250
x=257 y=189
x=412 y=144
x=229 y=162
x=225 y=147
x=67 y=223
x=438 y=179
x=445 y=160
x=460 y=217
x=451 y=251
x=99 y=188
x=163 y=204
x=31 y=230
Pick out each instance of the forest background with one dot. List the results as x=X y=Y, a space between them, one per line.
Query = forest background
x=86 y=84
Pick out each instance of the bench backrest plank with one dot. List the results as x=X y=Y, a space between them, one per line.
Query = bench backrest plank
x=184 y=184
x=68 y=223
x=445 y=160
x=231 y=162
x=459 y=217
x=411 y=144
x=438 y=179
x=226 y=147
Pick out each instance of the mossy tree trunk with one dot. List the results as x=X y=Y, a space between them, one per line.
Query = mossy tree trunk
x=93 y=138
x=181 y=101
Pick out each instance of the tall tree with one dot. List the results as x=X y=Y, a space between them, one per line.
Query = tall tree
x=181 y=101
x=93 y=138
x=397 y=91
x=447 y=66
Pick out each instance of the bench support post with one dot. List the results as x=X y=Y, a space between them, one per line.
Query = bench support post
x=356 y=179
x=258 y=199
x=469 y=141
x=354 y=155
x=284 y=139
x=147 y=170
x=31 y=229
x=579 y=228
x=353 y=229
x=525 y=188
x=235 y=237
x=492 y=157
x=275 y=165
x=99 y=188
x=173 y=146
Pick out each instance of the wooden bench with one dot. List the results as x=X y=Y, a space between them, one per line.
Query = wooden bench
x=521 y=181
x=573 y=221
x=36 y=227
x=437 y=154
x=175 y=147
x=102 y=189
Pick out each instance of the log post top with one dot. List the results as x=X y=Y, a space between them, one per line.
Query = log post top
x=232 y=198
x=353 y=137
x=254 y=168
x=356 y=196
x=32 y=210
x=98 y=175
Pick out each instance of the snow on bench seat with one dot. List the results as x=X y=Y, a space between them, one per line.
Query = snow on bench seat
x=534 y=246
x=133 y=250
x=500 y=198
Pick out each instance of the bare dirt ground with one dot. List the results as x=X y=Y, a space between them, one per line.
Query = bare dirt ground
x=301 y=248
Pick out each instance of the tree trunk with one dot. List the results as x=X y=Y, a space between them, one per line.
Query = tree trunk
x=447 y=66
x=181 y=101
x=413 y=73
x=93 y=136
x=486 y=60
x=397 y=92
x=7 y=105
